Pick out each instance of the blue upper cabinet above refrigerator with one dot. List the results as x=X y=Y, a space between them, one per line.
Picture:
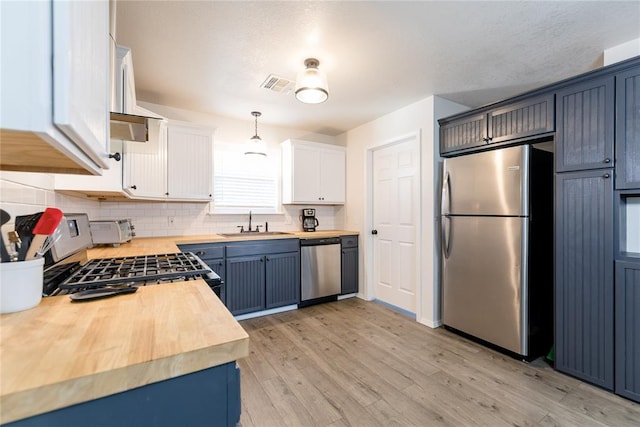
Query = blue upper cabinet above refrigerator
x=506 y=121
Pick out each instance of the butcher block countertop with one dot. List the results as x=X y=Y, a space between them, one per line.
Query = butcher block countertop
x=62 y=353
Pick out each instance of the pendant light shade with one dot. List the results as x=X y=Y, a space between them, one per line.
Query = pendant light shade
x=311 y=84
x=255 y=145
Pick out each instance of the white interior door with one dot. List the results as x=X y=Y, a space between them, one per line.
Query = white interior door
x=396 y=206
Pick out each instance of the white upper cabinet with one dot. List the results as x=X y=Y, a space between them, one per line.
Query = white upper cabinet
x=313 y=173
x=145 y=164
x=176 y=163
x=189 y=162
x=107 y=185
x=55 y=86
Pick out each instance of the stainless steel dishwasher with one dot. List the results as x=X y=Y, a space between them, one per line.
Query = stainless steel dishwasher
x=320 y=268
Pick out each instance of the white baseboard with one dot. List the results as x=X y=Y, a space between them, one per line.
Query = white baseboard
x=430 y=323
x=266 y=312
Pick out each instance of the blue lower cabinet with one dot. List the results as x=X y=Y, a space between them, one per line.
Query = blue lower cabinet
x=209 y=397
x=257 y=274
x=349 y=264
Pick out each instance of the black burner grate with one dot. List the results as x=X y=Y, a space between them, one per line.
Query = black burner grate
x=146 y=268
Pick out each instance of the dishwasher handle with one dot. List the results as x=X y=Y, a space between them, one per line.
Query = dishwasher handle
x=320 y=241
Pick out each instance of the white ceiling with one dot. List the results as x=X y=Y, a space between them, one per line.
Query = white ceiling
x=212 y=56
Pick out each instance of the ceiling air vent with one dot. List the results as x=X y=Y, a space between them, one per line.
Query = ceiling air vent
x=278 y=84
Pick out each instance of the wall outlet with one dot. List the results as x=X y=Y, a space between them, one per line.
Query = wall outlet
x=171 y=220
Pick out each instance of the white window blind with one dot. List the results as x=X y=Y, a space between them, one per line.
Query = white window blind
x=243 y=182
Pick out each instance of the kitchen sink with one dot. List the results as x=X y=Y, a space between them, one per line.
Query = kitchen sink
x=254 y=233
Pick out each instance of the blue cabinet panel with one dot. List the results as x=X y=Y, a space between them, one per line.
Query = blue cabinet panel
x=460 y=134
x=584 y=275
x=349 y=270
x=628 y=129
x=585 y=125
x=282 y=279
x=523 y=119
x=628 y=329
x=209 y=397
x=245 y=284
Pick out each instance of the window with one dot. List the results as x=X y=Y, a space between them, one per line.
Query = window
x=242 y=183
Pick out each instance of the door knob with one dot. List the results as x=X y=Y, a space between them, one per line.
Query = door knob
x=374 y=232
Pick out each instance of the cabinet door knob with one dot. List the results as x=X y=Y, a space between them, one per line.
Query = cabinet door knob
x=115 y=156
x=607 y=160
x=135 y=187
x=374 y=232
x=606 y=175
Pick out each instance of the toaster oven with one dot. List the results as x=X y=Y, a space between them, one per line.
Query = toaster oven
x=111 y=232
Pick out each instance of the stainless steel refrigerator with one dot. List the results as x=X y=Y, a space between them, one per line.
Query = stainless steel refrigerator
x=497 y=247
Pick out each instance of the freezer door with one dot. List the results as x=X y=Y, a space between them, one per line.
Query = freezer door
x=487 y=183
x=484 y=280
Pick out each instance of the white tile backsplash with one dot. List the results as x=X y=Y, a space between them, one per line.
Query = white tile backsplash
x=152 y=219
x=27 y=193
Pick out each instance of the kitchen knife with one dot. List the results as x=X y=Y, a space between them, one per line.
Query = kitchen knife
x=47 y=224
x=4 y=218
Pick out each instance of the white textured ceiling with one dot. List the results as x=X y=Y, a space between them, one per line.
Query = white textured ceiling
x=212 y=56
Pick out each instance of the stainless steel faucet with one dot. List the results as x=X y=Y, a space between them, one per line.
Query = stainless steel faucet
x=250 y=229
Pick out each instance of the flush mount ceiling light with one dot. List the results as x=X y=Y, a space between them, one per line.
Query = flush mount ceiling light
x=311 y=84
x=255 y=145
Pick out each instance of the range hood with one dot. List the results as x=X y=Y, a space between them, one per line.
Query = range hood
x=129 y=127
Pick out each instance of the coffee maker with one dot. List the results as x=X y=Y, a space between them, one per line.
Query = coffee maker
x=309 y=220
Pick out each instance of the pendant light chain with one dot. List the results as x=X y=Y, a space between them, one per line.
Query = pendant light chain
x=256 y=145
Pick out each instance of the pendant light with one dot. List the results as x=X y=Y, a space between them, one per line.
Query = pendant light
x=255 y=145
x=311 y=84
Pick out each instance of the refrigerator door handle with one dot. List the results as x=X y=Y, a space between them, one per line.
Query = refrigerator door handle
x=446 y=235
x=445 y=208
x=445 y=200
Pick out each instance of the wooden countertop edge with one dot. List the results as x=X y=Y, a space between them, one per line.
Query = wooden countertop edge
x=50 y=397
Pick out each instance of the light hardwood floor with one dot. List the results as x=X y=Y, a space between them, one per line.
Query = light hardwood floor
x=358 y=363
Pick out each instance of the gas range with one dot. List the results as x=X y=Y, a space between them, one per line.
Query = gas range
x=140 y=270
x=63 y=277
